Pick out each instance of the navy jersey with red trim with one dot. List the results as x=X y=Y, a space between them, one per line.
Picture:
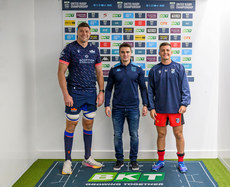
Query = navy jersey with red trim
x=81 y=65
x=168 y=88
x=126 y=79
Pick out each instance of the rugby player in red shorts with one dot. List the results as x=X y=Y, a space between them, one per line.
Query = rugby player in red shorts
x=169 y=96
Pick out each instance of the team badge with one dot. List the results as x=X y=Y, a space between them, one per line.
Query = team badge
x=118 y=69
x=172 y=70
x=73 y=110
x=86 y=56
x=78 y=51
x=177 y=120
x=166 y=70
x=133 y=68
x=159 y=71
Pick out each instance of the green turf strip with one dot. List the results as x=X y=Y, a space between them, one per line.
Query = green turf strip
x=38 y=169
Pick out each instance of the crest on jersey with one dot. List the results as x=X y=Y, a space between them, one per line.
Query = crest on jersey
x=177 y=120
x=159 y=71
x=86 y=56
x=118 y=69
x=166 y=70
x=133 y=68
x=78 y=51
x=172 y=70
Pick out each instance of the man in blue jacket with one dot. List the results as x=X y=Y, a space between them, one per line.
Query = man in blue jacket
x=125 y=77
x=169 y=96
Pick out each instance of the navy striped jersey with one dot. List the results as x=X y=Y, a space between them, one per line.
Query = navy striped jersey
x=81 y=65
x=126 y=80
x=168 y=88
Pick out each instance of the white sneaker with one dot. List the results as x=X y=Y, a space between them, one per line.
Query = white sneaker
x=90 y=162
x=67 y=170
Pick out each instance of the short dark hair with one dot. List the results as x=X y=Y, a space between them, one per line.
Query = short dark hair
x=165 y=44
x=125 y=45
x=83 y=24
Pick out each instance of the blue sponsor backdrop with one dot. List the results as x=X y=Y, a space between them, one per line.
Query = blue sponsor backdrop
x=174 y=25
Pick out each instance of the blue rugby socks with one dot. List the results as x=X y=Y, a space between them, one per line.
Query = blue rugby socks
x=68 y=139
x=87 y=135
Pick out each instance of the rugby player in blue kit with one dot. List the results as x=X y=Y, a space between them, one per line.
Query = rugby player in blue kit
x=169 y=96
x=79 y=91
x=125 y=77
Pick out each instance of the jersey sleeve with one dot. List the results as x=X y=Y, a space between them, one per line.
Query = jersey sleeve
x=65 y=56
x=151 y=90
x=109 y=88
x=142 y=86
x=98 y=58
x=185 y=91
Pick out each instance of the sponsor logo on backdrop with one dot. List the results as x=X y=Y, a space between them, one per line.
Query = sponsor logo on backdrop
x=128 y=15
x=139 y=23
x=187 y=30
x=175 y=16
x=81 y=15
x=151 y=37
x=94 y=37
x=128 y=30
x=69 y=22
x=139 y=44
x=116 y=15
x=151 y=58
x=69 y=15
x=163 y=37
x=176 y=52
x=151 y=30
x=140 y=30
x=152 y=15
x=105 y=65
x=164 y=15
x=128 y=23
x=175 y=23
x=94 y=29
x=105 y=37
x=93 y=15
x=140 y=58
x=116 y=30
x=104 y=22
x=116 y=44
x=128 y=37
x=104 y=30
x=175 y=37
x=139 y=37
x=105 y=58
x=187 y=59
x=164 y=23
x=151 y=23
x=105 y=44
x=175 y=30
x=139 y=15
x=151 y=51
x=163 y=30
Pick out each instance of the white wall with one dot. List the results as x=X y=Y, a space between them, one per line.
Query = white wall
x=17 y=88
x=224 y=88
x=201 y=118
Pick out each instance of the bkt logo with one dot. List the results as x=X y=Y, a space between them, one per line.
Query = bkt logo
x=127 y=177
